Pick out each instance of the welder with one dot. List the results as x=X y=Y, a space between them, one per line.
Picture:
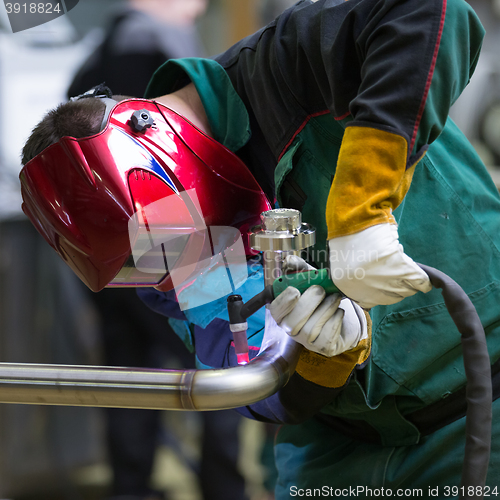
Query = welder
x=339 y=109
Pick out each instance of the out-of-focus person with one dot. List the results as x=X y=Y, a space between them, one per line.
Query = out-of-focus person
x=140 y=37
x=44 y=314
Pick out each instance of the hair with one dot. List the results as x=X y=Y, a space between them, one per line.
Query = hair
x=81 y=118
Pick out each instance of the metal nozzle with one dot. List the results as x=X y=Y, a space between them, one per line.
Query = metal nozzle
x=282 y=230
x=281 y=219
x=281 y=233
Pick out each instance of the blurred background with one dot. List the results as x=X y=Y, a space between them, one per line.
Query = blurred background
x=47 y=316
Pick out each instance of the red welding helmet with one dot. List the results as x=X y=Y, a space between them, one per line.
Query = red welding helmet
x=148 y=201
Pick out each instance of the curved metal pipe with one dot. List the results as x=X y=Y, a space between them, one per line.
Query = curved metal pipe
x=197 y=390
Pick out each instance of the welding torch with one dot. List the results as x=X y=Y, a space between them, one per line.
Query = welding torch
x=239 y=311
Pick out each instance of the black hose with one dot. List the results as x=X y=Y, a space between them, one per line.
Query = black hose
x=479 y=388
x=477 y=366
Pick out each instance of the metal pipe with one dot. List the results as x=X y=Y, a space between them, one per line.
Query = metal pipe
x=145 y=388
x=197 y=390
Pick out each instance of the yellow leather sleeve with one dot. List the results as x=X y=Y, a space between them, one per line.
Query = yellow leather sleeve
x=370 y=181
x=334 y=372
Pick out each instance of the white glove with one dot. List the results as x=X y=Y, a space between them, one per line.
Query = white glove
x=371 y=268
x=328 y=325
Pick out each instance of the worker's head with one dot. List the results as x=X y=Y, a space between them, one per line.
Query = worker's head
x=129 y=193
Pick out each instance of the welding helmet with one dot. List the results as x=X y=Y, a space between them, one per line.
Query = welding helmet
x=149 y=200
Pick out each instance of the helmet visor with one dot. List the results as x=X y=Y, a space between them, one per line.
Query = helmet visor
x=148 y=265
x=175 y=254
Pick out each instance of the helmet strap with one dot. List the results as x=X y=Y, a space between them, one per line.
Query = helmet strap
x=102 y=92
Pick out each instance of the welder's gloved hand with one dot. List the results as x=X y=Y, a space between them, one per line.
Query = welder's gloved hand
x=371 y=267
x=373 y=175
x=323 y=324
x=328 y=325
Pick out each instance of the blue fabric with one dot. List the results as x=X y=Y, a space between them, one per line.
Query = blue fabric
x=203 y=315
x=182 y=329
x=202 y=320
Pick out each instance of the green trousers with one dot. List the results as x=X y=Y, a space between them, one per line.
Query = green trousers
x=314 y=460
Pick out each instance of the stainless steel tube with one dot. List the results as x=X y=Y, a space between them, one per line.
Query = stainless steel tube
x=144 y=388
x=197 y=390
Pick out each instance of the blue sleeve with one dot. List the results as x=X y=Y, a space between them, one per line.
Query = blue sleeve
x=163 y=303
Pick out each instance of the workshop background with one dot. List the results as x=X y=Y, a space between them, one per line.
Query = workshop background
x=50 y=452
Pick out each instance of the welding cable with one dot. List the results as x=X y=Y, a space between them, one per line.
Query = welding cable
x=479 y=386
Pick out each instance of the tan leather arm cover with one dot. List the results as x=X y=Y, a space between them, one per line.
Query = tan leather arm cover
x=370 y=181
x=335 y=371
